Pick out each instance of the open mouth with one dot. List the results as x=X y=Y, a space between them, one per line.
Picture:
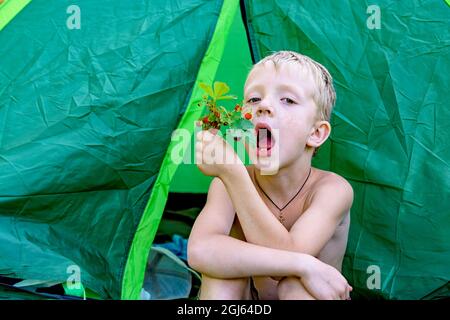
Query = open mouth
x=264 y=138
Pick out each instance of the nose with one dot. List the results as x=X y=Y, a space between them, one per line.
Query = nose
x=264 y=108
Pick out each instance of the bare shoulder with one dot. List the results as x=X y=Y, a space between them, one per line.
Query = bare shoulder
x=330 y=189
x=333 y=181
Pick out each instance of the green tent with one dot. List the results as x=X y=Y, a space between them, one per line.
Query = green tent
x=90 y=95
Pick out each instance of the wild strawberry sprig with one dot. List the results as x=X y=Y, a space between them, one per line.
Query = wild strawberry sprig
x=218 y=116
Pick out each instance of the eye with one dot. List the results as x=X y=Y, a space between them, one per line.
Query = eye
x=253 y=100
x=288 y=100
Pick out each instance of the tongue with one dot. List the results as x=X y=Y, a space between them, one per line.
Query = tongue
x=264 y=139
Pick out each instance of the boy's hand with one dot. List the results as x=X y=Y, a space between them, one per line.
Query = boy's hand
x=214 y=156
x=325 y=282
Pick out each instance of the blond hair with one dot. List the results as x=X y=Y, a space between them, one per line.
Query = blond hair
x=324 y=96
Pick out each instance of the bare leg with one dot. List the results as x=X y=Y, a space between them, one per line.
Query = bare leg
x=291 y=288
x=224 y=289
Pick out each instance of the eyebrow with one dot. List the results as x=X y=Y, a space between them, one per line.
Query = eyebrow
x=299 y=92
x=258 y=87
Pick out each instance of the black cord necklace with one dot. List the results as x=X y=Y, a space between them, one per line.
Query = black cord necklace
x=280 y=215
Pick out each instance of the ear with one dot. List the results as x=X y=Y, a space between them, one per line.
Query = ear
x=319 y=134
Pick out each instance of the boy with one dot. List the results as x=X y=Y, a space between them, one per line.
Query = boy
x=281 y=235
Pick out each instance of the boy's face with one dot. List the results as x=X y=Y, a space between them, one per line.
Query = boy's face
x=282 y=101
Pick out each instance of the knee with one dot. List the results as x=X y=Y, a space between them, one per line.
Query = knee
x=285 y=286
x=291 y=288
x=222 y=289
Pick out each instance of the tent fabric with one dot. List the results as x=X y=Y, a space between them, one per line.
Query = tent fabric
x=86 y=117
x=390 y=137
x=146 y=231
x=9 y=9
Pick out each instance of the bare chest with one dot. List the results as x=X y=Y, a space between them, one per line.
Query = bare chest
x=287 y=213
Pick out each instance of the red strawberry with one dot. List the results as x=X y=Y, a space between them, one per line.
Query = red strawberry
x=248 y=116
x=237 y=108
x=205 y=119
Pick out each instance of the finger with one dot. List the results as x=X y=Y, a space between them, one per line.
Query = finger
x=213 y=131
x=199 y=146
x=204 y=136
x=208 y=136
x=336 y=295
x=345 y=293
x=329 y=293
x=338 y=291
x=344 y=289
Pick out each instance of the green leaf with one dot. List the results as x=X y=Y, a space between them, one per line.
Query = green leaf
x=236 y=116
x=229 y=97
x=220 y=88
x=207 y=88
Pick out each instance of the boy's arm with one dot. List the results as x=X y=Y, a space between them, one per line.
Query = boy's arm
x=311 y=231
x=233 y=258
x=315 y=227
x=213 y=252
